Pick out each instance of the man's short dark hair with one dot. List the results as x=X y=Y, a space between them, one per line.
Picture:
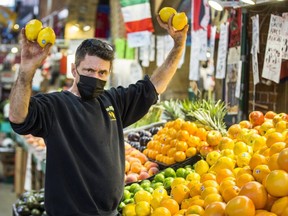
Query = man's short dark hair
x=94 y=47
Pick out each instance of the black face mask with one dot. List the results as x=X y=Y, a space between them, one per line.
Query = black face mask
x=90 y=87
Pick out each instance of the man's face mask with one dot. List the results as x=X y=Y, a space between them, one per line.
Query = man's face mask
x=90 y=87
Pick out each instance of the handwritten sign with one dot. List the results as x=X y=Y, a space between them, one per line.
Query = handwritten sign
x=285 y=36
x=272 y=60
x=255 y=48
x=222 y=51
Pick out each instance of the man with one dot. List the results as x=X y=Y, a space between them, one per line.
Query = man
x=83 y=127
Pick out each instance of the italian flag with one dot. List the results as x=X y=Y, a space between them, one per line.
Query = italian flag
x=138 y=21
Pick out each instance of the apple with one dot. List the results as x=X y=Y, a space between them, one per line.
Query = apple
x=131 y=177
x=204 y=150
x=270 y=115
x=256 y=118
x=213 y=137
x=153 y=171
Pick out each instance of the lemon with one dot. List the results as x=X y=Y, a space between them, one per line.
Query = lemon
x=129 y=210
x=142 y=195
x=45 y=36
x=201 y=167
x=166 y=12
x=32 y=28
x=143 y=208
x=179 y=21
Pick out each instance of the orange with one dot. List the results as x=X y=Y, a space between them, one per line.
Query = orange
x=215 y=209
x=245 y=124
x=190 y=152
x=193 y=177
x=240 y=147
x=209 y=183
x=171 y=205
x=270 y=202
x=179 y=20
x=234 y=130
x=195 y=209
x=273 y=138
x=222 y=174
x=282 y=159
x=166 y=12
x=180 y=192
x=193 y=141
x=181 y=146
x=256 y=192
x=195 y=189
x=191 y=127
x=46 y=36
x=230 y=192
x=32 y=29
x=280 y=206
x=222 y=163
x=258 y=142
x=243 y=179
x=264 y=213
x=226 y=183
x=161 y=211
x=260 y=172
x=281 y=126
x=265 y=127
x=201 y=133
x=179 y=156
x=207 y=191
x=272 y=162
x=277 y=183
x=240 y=206
x=276 y=148
x=256 y=160
x=171 y=152
x=241 y=170
x=207 y=176
x=183 y=135
x=143 y=208
x=214 y=197
x=243 y=159
x=178 y=180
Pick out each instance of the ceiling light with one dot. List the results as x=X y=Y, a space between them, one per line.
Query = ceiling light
x=86 y=28
x=215 y=4
x=251 y=2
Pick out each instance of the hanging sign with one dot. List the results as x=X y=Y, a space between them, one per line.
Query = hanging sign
x=285 y=36
x=222 y=51
x=272 y=60
x=255 y=48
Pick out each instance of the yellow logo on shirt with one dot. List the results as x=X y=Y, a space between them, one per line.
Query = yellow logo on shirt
x=111 y=113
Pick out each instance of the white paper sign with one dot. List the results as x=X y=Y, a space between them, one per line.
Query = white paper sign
x=234 y=55
x=238 y=83
x=272 y=60
x=212 y=41
x=255 y=48
x=285 y=36
x=138 y=39
x=202 y=35
x=194 y=73
x=255 y=34
x=222 y=51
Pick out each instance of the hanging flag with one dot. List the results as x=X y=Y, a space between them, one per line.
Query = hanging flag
x=138 y=21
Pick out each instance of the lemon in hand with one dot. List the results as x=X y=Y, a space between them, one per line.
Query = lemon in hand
x=166 y=12
x=179 y=21
x=45 y=36
x=32 y=28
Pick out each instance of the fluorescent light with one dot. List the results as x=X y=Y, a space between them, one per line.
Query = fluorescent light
x=251 y=2
x=215 y=4
x=86 y=28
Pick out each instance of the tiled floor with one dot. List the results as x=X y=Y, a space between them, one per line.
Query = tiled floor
x=7 y=195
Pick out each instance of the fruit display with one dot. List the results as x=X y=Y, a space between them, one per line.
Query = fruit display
x=137 y=165
x=30 y=203
x=34 y=31
x=243 y=173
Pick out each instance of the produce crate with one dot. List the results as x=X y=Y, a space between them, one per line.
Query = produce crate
x=188 y=161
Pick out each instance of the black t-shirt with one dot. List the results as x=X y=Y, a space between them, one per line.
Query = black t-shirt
x=85 y=146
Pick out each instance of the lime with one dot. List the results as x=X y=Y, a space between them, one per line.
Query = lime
x=149 y=189
x=159 y=177
x=181 y=172
x=122 y=205
x=145 y=183
x=32 y=29
x=156 y=185
x=127 y=187
x=46 y=36
x=169 y=172
x=127 y=201
x=126 y=194
x=167 y=182
x=133 y=187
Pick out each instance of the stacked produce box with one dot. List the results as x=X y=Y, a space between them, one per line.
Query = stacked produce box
x=193 y=165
